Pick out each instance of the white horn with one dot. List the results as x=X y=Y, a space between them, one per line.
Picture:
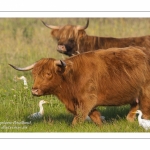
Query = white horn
x=50 y=26
x=23 y=69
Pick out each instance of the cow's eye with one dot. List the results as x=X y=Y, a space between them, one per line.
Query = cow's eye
x=48 y=74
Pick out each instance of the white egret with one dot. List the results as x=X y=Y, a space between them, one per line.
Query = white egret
x=142 y=122
x=39 y=114
x=89 y=119
x=24 y=81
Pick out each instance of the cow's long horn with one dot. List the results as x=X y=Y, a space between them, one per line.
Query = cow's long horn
x=50 y=26
x=23 y=69
x=83 y=28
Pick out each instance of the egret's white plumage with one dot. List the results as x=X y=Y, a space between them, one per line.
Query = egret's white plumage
x=24 y=81
x=39 y=114
x=89 y=119
x=142 y=122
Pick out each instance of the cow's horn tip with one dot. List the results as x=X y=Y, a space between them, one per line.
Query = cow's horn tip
x=43 y=22
x=10 y=64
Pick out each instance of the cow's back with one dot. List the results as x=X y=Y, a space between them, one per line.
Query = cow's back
x=114 y=74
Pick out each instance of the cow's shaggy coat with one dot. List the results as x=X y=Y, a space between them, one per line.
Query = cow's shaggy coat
x=113 y=77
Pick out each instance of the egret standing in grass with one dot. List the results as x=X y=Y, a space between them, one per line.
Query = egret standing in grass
x=142 y=122
x=38 y=115
x=24 y=81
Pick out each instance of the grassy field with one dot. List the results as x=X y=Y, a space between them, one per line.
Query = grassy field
x=26 y=40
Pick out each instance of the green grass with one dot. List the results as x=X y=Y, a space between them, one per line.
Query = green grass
x=26 y=40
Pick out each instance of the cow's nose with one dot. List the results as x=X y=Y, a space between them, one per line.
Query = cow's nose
x=35 y=91
x=61 y=48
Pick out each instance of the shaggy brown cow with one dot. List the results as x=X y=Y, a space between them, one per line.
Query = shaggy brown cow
x=73 y=40
x=113 y=77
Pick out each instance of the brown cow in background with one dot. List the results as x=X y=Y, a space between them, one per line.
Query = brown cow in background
x=113 y=77
x=73 y=40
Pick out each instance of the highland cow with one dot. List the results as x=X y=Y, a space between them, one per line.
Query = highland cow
x=73 y=40
x=112 y=77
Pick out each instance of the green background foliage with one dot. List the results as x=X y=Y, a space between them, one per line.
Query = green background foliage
x=26 y=40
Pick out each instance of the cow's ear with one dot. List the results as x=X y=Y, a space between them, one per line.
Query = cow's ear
x=59 y=66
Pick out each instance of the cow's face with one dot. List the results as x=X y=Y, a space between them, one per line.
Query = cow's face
x=47 y=74
x=68 y=37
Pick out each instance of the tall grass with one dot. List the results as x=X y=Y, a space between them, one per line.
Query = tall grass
x=26 y=40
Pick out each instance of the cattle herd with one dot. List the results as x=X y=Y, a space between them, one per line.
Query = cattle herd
x=100 y=71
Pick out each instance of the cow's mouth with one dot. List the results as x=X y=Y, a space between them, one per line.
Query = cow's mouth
x=61 y=48
x=36 y=92
x=64 y=50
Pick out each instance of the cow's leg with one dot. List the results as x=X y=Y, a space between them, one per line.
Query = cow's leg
x=82 y=111
x=145 y=108
x=78 y=119
x=134 y=106
x=96 y=117
x=75 y=120
x=144 y=104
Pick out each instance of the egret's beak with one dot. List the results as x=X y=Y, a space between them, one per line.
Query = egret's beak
x=46 y=102
x=134 y=112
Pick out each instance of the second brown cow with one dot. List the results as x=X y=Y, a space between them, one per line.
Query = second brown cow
x=73 y=40
x=113 y=77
